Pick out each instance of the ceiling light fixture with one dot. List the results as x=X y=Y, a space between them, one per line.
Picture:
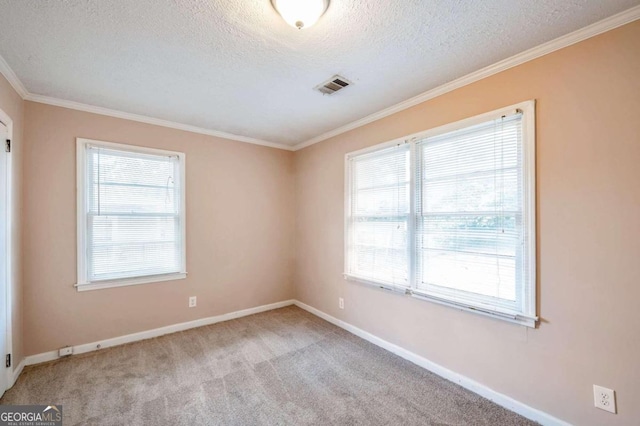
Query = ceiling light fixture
x=300 y=13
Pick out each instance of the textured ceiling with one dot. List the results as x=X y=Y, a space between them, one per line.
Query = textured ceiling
x=236 y=66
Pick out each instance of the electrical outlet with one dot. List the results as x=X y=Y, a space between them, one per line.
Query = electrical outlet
x=604 y=399
x=192 y=302
x=340 y=302
x=67 y=350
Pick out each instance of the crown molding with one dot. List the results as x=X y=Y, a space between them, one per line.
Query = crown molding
x=592 y=30
x=12 y=78
x=150 y=120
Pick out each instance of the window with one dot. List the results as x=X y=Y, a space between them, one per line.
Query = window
x=131 y=220
x=448 y=215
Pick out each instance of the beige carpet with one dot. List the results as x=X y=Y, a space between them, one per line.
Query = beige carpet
x=283 y=367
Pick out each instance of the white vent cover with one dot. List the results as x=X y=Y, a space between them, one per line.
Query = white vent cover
x=333 y=85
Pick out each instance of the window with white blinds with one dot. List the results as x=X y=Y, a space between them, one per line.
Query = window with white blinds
x=131 y=224
x=379 y=216
x=448 y=215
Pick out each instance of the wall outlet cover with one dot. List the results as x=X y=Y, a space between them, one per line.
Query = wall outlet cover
x=604 y=399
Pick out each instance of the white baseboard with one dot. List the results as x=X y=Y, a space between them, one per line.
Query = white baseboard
x=143 y=335
x=482 y=390
x=16 y=373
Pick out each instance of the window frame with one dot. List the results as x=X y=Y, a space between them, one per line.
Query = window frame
x=83 y=282
x=528 y=312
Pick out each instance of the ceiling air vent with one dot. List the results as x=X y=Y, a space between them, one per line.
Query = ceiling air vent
x=333 y=85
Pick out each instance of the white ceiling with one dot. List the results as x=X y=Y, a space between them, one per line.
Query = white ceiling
x=235 y=66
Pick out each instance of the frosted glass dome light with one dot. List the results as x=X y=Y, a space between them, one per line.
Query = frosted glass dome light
x=300 y=13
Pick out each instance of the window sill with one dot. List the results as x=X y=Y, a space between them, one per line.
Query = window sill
x=99 y=285
x=505 y=316
x=486 y=311
x=378 y=284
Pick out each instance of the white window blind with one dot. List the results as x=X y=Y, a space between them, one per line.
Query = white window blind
x=133 y=213
x=449 y=215
x=378 y=217
x=469 y=218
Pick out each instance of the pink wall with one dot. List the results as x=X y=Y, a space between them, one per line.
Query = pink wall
x=588 y=174
x=239 y=235
x=13 y=105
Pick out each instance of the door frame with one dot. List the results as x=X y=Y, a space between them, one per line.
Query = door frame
x=8 y=122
